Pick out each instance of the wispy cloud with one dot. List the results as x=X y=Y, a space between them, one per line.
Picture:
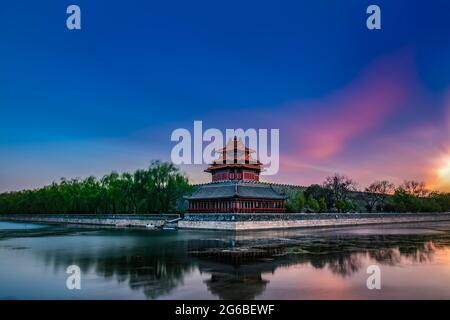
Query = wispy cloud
x=356 y=131
x=330 y=124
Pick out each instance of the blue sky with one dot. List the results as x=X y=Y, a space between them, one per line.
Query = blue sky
x=76 y=103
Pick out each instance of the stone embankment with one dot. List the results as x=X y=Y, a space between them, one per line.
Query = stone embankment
x=231 y=221
x=119 y=220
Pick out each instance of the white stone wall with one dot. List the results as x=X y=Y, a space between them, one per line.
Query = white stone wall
x=216 y=225
x=235 y=225
x=89 y=221
x=282 y=224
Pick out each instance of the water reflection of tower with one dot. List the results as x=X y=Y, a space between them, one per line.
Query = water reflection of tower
x=234 y=282
x=230 y=276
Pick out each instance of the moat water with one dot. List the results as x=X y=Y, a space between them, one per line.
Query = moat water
x=414 y=260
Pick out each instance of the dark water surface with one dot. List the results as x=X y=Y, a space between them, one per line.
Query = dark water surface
x=414 y=260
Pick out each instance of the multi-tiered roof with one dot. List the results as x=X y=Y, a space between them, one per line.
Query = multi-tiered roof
x=235 y=162
x=235 y=185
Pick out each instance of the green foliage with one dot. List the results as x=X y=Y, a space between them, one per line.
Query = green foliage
x=295 y=202
x=376 y=193
x=406 y=202
x=411 y=196
x=323 y=204
x=316 y=191
x=340 y=188
x=160 y=188
x=430 y=205
x=314 y=199
x=343 y=205
x=312 y=205
x=321 y=194
x=442 y=199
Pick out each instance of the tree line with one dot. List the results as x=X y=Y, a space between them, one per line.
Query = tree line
x=160 y=189
x=338 y=193
x=157 y=189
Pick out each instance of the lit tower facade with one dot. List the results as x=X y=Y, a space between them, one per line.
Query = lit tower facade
x=235 y=185
x=235 y=163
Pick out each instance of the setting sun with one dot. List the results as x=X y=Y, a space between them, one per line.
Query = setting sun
x=444 y=171
x=442 y=181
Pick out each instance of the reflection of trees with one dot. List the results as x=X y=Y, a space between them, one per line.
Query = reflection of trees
x=387 y=256
x=343 y=256
x=407 y=249
x=156 y=263
x=423 y=254
x=155 y=274
x=146 y=265
x=344 y=264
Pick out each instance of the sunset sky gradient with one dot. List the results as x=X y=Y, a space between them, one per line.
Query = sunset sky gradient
x=369 y=104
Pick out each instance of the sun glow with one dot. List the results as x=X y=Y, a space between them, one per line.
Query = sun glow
x=444 y=171
x=443 y=174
